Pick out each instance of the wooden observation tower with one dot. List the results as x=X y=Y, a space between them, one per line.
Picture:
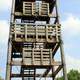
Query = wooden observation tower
x=34 y=39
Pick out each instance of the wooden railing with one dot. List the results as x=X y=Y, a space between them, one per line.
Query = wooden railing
x=36 y=33
x=35 y=9
x=37 y=56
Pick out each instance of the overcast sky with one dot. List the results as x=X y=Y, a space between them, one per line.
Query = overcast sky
x=70 y=19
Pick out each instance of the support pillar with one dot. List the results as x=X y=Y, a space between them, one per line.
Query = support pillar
x=63 y=61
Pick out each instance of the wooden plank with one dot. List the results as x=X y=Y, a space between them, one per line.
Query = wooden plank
x=56 y=63
x=18 y=63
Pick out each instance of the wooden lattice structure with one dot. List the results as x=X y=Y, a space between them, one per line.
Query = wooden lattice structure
x=34 y=41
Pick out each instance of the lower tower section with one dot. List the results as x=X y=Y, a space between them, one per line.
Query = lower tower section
x=34 y=41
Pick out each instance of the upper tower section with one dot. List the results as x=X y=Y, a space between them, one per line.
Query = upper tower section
x=35 y=8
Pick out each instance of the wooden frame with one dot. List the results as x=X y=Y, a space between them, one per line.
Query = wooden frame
x=30 y=8
x=36 y=33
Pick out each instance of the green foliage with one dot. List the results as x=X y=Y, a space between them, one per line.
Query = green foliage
x=72 y=75
x=61 y=78
x=1 y=78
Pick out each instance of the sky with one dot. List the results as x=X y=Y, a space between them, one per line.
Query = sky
x=69 y=14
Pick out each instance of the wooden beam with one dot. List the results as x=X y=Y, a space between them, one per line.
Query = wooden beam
x=57 y=70
x=25 y=75
x=29 y=75
x=55 y=49
x=46 y=72
x=18 y=63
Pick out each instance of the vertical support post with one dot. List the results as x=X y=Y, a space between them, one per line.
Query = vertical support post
x=8 y=67
x=12 y=11
x=40 y=8
x=32 y=8
x=41 y=57
x=36 y=32
x=12 y=17
x=15 y=36
x=34 y=74
x=63 y=61
x=61 y=47
x=48 y=8
x=24 y=11
x=53 y=73
x=33 y=56
x=46 y=32
x=53 y=77
x=25 y=27
x=50 y=51
x=56 y=29
x=22 y=72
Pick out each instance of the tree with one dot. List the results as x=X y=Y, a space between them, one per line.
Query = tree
x=72 y=75
x=1 y=78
